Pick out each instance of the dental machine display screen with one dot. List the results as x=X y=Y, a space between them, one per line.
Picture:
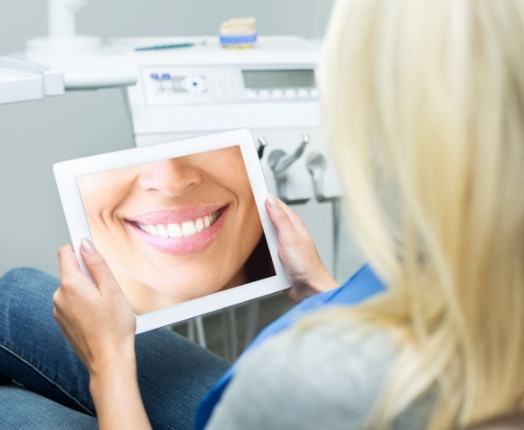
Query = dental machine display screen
x=257 y=79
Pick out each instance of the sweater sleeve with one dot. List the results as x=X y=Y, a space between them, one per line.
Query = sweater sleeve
x=323 y=378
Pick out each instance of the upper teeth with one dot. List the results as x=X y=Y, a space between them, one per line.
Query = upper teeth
x=187 y=228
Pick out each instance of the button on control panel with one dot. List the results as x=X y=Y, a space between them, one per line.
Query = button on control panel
x=269 y=94
x=171 y=85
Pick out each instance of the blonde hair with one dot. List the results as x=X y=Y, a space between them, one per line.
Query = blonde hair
x=424 y=101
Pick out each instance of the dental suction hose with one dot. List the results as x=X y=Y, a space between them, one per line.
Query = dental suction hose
x=316 y=165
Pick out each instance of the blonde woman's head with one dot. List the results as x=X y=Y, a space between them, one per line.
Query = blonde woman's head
x=424 y=101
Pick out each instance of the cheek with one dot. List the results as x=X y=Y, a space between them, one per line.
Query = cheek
x=245 y=193
x=251 y=220
x=100 y=203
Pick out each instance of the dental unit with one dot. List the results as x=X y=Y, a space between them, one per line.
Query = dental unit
x=204 y=88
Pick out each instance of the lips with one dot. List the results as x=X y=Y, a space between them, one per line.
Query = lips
x=180 y=231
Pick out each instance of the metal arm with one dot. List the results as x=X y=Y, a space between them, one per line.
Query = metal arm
x=279 y=161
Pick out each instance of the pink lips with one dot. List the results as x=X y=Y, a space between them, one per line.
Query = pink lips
x=179 y=215
x=180 y=245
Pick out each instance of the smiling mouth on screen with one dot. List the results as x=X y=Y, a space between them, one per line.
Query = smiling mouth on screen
x=180 y=231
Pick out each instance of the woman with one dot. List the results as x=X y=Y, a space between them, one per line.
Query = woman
x=424 y=102
x=177 y=229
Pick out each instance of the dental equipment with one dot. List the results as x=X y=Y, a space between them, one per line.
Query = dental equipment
x=271 y=90
x=24 y=81
x=84 y=61
x=62 y=39
x=279 y=162
x=316 y=164
x=169 y=46
x=262 y=145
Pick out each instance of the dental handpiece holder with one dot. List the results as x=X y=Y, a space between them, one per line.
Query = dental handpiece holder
x=261 y=147
x=279 y=161
x=316 y=165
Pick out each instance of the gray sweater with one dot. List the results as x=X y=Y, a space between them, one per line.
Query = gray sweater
x=324 y=378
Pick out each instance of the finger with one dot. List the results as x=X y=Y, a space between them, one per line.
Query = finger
x=294 y=217
x=280 y=219
x=97 y=266
x=69 y=267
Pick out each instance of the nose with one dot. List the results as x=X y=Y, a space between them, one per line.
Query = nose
x=170 y=178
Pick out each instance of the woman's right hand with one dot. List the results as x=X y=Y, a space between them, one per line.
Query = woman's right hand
x=298 y=253
x=93 y=312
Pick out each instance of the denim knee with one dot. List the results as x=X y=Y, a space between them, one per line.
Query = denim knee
x=26 y=303
x=25 y=279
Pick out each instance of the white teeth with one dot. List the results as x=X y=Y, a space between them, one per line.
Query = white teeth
x=187 y=228
x=174 y=230
x=199 y=224
x=161 y=230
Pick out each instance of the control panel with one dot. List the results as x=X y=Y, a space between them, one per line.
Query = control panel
x=164 y=85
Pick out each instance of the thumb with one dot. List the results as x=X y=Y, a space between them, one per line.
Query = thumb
x=280 y=219
x=97 y=266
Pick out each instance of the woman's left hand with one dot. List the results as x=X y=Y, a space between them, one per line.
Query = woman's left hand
x=94 y=313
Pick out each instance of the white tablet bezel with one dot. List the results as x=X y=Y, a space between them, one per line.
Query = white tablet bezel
x=66 y=175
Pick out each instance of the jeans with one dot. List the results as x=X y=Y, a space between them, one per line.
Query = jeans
x=48 y=386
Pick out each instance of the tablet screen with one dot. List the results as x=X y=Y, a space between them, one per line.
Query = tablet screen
x=177 y=229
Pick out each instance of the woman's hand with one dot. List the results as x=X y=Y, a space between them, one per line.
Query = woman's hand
x=98 y=320
x=94 y=313
x=298 y=253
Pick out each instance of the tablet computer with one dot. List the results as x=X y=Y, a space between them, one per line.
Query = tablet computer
x=182 y=224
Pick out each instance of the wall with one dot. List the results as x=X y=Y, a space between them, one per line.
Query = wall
x=33 y=136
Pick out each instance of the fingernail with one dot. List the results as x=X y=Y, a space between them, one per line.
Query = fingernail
x=87 y=246
x=272 y=201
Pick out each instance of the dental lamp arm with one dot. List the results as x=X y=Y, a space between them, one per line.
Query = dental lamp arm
x=62 y=17
x=84 y=61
